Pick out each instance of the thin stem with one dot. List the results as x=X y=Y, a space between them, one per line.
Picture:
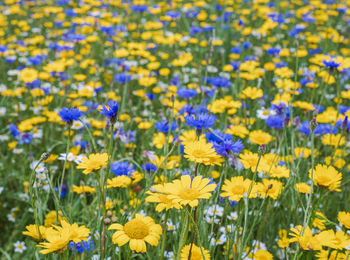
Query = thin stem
x=196 y=230
x=33 y=198
x=65 y=163
x=164 y=235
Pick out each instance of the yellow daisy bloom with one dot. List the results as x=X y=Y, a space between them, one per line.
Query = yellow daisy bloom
x=28 y=75
x=262 y=255
x=302 y=187
x=32 y=231
x=158 y=193
x=83 y=189
x=93 y=163
x=196 y=253
x=235 y=188
x=306 y=240
x=260 y=137
x=59 y=236
x=202 y=152
x=344 y=218
x=121 y=181
x=326 y=176
x=137 y=232
x=187 y=191
x=270 y=188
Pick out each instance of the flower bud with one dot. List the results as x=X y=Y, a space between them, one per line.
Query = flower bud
x=313 y=124
x=262 y=149
x=44 y=156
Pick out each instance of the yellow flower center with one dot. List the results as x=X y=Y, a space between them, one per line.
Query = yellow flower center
x=198 y=153
x=238 y=190
x=323 y=180
x=189 y=194
x=136 y=229
x=196 y=255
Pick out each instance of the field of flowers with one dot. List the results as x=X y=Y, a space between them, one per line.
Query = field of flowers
x=134 y=129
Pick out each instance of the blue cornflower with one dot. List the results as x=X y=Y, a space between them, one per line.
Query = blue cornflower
x=63 y=190
x=68 y=115
x=273 y=51
x=122 y=168
x=275 y=122
x=163 y=126
x=217 y=136
x=14 y=130
x=149 y=167
x=323 y=129
x=225 y=147
x=186 y=93
x=82 y=246
x=221 y=82
x=331 y=65
x=122 y=77
x=173 y=14
x=200 y=121
x=112 y=111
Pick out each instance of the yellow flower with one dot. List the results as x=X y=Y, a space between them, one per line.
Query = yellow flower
x=279 y=172
x=51 y=217
x=333 y=140
x=262 y=255
x=302 y=187
x=237 y=130
x=189 y=136
x=344 y=218
x=283 y=242
x=235 y=188
x=306 y=240
x=159 y=194
x=93 y=163
x=319 y=221
x=136 y=232
x=336 y=240
x=28 y=75
x=252 y=93
x=202 y=152
x=250 y=160
x=270 y=188
x=302 y=152
x=83 y=189
x=56 y=242
x=159 y=140
x=260 y=137
x=121 y=181
x=326 y=176
x=59 y=236
x=187 y=191
x=196 y=253
x=32 y=231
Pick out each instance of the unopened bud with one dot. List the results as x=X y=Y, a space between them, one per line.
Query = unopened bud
x=44 y=156
x=313 y=124
x=344 y=125
x=109 y=213
x=286 y=121
x=262 y=149
x=114 y=219
x=107 y=221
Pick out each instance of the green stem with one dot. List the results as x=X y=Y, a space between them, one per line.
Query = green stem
x=65 y=163
x=33 y=198
x=196 y=230
x=183 y=237
x=164 y=235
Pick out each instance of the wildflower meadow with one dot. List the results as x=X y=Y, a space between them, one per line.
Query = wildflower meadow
x=179 y=129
